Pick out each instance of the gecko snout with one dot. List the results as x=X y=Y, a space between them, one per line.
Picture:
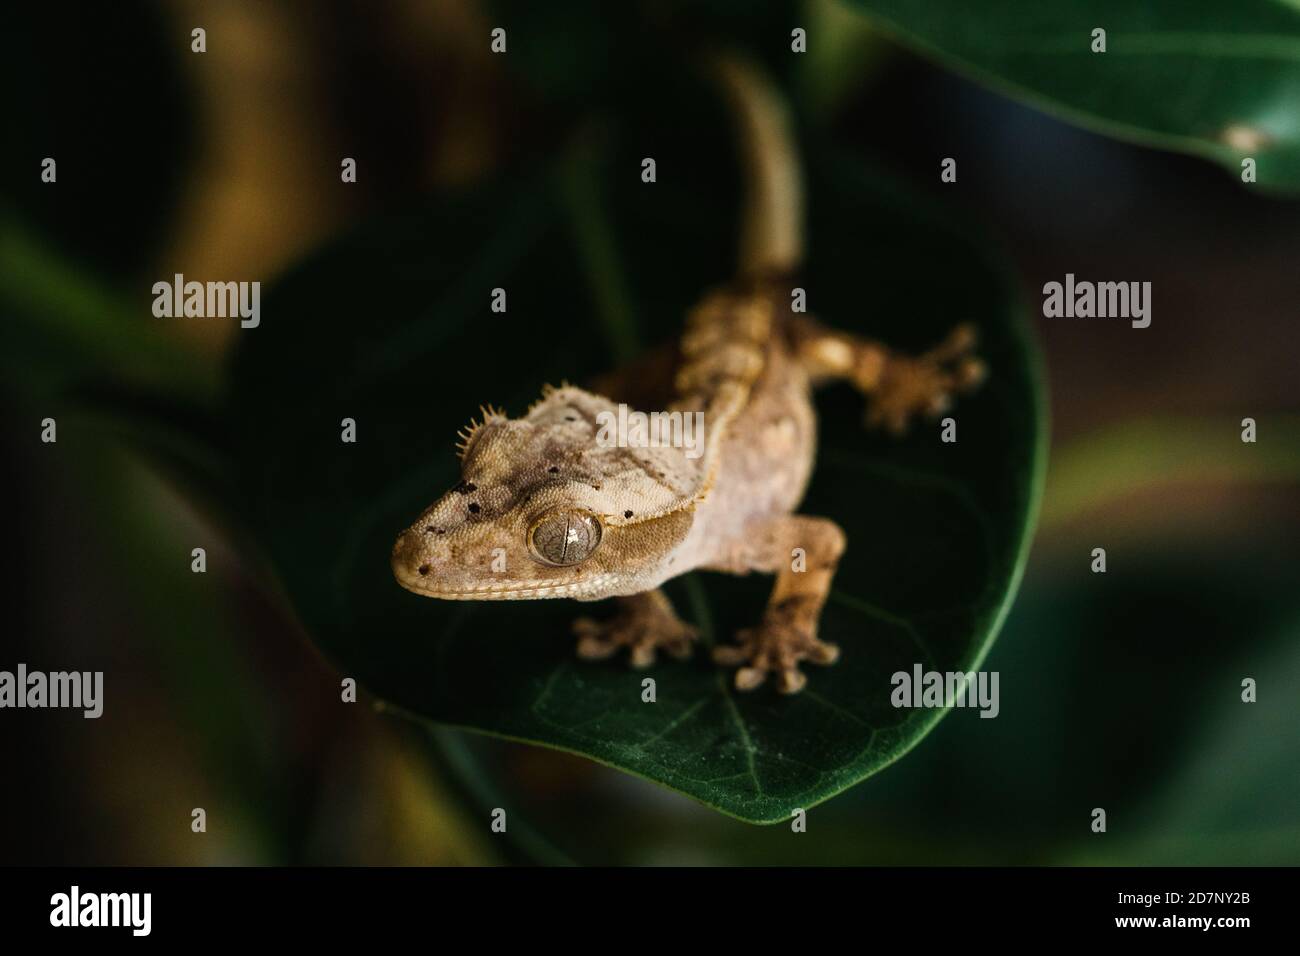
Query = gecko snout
x=411 y=559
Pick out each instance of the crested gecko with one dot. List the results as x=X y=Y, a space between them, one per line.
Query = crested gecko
x=546 y=509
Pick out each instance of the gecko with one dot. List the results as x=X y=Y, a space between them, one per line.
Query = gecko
x=546 y=509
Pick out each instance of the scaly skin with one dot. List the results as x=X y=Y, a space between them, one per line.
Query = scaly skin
x=544 y=510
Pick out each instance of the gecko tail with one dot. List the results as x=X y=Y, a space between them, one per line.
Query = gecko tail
x=771 y=240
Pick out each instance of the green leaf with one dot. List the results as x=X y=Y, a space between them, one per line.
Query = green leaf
x=64 y=329
x=391 y=326
x=1218 y=80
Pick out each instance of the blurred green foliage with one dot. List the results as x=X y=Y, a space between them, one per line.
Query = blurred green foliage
x=1217 y=80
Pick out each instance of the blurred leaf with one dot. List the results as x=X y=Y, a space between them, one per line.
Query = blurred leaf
x=100 y=89
x=70 y=345
x=1217 y=80
x=63 y=329
x=521 y=843
x=1112 y=687
x=1125 y=458
x=180 y=624
x=844 y=55
x=591 y=52
x=391 y=326
x=1233 y=800
x=182 y=441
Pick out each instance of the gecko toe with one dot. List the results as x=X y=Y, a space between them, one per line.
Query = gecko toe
x=819 y=652
x=593 y=648
x=643 y=632
x=682 y=647
x=970 y=373
x=642 y=656
x=791 y=680
x=775 y=647
x=924 y=385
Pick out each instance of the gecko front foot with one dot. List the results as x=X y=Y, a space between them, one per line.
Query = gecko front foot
x=644 y=624
x=905 y=387
x=787 y=636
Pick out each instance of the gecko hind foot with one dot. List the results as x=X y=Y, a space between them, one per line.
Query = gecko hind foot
x=643 y=629
x=906 y=387
x=776 y=646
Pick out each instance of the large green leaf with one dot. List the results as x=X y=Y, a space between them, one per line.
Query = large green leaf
x=391 y=326
x=1120 y=691
x=1221 y=80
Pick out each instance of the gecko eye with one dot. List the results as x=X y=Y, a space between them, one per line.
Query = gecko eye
x=564 y=537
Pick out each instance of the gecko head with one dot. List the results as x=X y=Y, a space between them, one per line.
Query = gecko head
x=537 y=514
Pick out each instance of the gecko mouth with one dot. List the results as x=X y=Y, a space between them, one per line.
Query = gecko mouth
x=497 y=593
x=430 y=586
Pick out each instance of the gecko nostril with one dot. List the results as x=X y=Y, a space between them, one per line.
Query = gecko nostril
x=473 y=507
x=423 y=569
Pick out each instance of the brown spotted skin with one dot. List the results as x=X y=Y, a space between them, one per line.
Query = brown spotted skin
x=750 y=366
